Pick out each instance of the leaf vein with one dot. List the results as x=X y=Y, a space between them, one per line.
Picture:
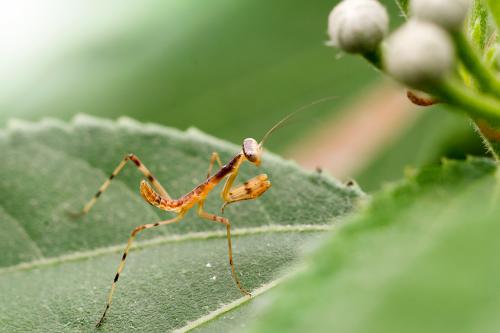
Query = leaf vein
x=166 y=239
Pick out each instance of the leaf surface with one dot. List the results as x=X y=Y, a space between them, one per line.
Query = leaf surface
x=422 y=257
x=495 y=11
x=57 y=270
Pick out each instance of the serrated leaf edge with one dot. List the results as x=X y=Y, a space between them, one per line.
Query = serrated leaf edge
x=16 y=125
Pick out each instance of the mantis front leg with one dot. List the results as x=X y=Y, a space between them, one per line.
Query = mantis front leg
x=249 y=190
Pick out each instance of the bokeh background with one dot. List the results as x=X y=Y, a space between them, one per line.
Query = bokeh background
x=230 y=68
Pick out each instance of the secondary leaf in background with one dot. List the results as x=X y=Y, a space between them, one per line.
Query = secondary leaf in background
x=403 y=6
x=436 y=133
x=177 y=276
x=479 y=29
x=495 y=11
x=222 y=66
x=423 y=257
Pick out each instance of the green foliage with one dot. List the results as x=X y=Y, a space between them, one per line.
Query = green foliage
x=479 y=29
x=222 y=66
x=422 y=257
x=403 y=6
x=56 y=270
x=435 y=134
x=177 y=63
x=495 y=11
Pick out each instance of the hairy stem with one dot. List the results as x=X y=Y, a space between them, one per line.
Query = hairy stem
x=483 y=109
x=476 y=105
x=487 y=80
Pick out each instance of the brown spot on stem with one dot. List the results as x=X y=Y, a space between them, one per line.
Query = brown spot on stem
x=420 y=98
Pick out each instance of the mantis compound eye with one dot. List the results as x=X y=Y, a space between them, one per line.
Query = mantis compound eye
x=252 y=150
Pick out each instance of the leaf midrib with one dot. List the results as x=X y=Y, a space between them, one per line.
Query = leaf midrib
x=82 y=255
x=230 y=306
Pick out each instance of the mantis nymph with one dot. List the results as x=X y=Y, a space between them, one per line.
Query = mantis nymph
x=156 y=195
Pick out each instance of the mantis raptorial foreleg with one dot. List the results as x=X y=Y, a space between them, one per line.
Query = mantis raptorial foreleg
x=251 y=189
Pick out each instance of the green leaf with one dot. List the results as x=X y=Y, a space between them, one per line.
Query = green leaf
x=478 y=24
x=222 y=66
x=447 y=134
x=494 y=6
x=403 y=6
x=56 y=270
x=421 y=258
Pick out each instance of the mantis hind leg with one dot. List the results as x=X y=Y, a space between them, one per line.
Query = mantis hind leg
x=124 y=257
x=139 y=165
x=225 y=221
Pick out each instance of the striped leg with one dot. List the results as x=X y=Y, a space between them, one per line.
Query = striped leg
x=142 y=168
x=250 y=189
x=215 y=157
x=124 y=257
x=224 y=221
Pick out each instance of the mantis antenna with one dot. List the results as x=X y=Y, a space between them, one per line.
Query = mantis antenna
x=283 y=121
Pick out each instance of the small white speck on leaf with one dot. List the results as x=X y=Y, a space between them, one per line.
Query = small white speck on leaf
x=214 y=278
x=208 y=265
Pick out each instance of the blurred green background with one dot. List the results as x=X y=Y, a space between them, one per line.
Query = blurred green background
x=230 y=68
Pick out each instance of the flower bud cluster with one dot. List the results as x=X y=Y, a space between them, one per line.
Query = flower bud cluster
x=420 y=52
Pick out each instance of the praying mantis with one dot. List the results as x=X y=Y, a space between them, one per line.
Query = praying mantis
x=156 y=195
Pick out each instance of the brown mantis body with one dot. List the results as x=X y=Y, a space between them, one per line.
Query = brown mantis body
x=251 y=189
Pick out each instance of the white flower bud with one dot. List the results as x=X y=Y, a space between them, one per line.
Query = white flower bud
x=449 y=14
x=357 y=26
x=419 y=53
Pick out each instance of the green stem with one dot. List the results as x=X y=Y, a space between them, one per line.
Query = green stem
x=478 y=106
x=374 y=57
x=487 y=80
x=483 y=109
x=489 y=137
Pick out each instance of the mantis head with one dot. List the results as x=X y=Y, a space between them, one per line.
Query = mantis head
x=252 y=150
